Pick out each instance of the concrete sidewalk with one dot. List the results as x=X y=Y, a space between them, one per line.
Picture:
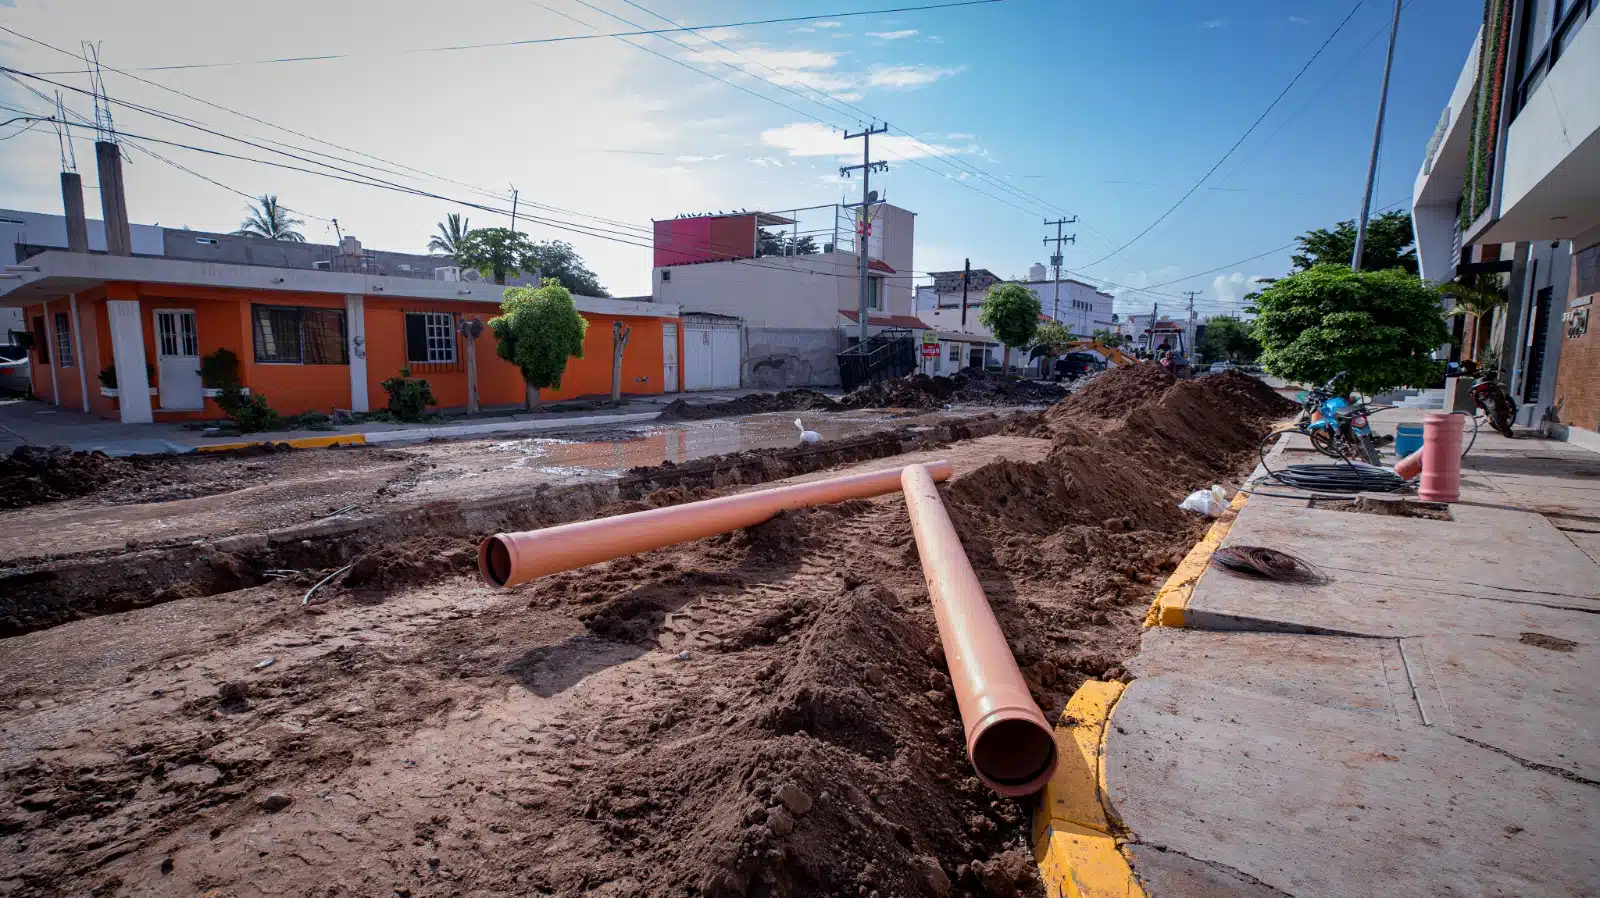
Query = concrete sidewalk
x=1423 y=724
x=36 y=423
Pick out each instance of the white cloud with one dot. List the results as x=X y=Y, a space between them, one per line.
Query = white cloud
x=767 y=162
x=934 y=39
x=1214 y=23
x=960 y=135
x=694 y=159
x=907 y=77
x=789 y=67
x=893 y=35
x=812 y=139
x=1231 y=288
x=1299 y=20
x=827 y=24
x=1143 y=278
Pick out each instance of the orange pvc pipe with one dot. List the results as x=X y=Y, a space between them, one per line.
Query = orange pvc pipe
x=507 y=559
x=1441 y=457
x=1009 y=742
x=1410 y=466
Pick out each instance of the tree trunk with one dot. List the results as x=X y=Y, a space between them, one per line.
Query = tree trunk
x=619 y=341
x=500 y=276
x=533 y=399
x=472 y=376
x=1005 y=360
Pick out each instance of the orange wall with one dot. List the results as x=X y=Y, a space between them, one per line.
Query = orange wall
x=41 y=373
x=499 y=382
x=223 y=320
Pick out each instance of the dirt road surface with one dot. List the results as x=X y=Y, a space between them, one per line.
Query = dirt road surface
x=760 y=713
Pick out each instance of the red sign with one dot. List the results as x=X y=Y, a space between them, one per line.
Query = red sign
x=930 y=350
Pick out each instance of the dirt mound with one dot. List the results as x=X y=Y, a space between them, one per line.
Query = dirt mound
x=973 y=385
x=1252 y=392
x=391 y=566
x=1113 y=393
x=755 y=403
x=33 y=474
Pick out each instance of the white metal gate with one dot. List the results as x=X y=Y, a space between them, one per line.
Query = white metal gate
x=669 y=358
x=711 y=356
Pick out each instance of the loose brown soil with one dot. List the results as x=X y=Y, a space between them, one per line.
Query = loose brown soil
x=764 y=712
x=914 y=391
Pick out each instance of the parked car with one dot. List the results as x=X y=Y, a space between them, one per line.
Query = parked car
x=1219 y=367
x=1076 y=364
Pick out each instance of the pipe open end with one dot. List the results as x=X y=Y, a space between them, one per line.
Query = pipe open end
x=1015 y=757
x=494 y=561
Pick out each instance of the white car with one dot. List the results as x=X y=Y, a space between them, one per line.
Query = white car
x=1219 y=367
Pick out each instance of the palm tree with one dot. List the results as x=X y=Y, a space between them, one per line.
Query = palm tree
x=451 y=232
x=270 y=220
x=1477 y=298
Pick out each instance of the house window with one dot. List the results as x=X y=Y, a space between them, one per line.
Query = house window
x=41 y=340
x=955 y=353
x=430 y=337
x=300 y=336
x=64 y=339
x=875 y=294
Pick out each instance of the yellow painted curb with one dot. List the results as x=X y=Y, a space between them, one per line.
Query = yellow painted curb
x=343 y=439
x=1073 y=842
x=1173 y=597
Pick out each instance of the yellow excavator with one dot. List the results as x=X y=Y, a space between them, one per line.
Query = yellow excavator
x=1072 y=358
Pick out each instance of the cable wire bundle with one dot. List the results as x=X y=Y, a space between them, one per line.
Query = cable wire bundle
x=1269 y=564
x=1348 y=477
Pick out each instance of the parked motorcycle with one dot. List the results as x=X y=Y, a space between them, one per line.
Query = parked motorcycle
x=1488 y=394
x=1337 y=426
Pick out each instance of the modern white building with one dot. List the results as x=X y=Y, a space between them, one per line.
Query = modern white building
x=775 y=321
x=1510 y=186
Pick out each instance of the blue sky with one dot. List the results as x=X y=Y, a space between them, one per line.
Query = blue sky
x=1106 y=111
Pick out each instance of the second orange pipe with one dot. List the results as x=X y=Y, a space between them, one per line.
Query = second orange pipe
x=507 y=559
x=1009 y=742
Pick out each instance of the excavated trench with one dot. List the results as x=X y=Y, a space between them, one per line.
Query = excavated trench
x=36 y=594
x=762 y=713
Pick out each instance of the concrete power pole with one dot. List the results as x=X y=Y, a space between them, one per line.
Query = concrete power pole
x=1377 y=140
x=1055 y=260
x=1188 y=331
x=1154 y=308
x=864 y=224
x=513 y=208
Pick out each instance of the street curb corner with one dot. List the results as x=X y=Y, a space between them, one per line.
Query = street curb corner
x=1168 y=608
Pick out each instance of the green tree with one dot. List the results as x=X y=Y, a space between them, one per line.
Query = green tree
x=1228 y=338
x=494 y=252
x=537 y=330
x=779 y=244
x=1049 y=341
x=1106 y=337
x=270 y=220
x=557 y=259
x=1478 y=298
x=1388 y=245
x=1378 y=326
x=1011 y=313
x=452 y=231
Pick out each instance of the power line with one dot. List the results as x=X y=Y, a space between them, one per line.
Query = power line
x=563 y=38
x=930 y=148
x=1259 y=119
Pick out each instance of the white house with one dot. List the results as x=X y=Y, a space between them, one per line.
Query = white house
x=773 y=320
x=1510 y=185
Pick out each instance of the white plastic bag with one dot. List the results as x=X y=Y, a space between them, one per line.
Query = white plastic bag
x=1211 y=502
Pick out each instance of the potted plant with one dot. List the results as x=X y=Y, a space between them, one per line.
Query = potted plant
x=219 y=373
x=108 y=380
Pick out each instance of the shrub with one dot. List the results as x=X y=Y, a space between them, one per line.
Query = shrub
x=220 y=369
x=409 y=399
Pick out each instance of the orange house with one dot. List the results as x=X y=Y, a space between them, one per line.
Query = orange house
x=124 y=337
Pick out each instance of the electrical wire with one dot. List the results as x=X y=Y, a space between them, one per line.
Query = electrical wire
x=1248 y=131
x=562 y=38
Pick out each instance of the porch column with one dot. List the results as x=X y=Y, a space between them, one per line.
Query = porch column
x=77 y=350
x=355 y=325
x=127 y=353
x=53 y=348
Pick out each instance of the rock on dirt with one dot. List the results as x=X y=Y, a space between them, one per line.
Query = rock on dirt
x=275 y=802
x=34 y=474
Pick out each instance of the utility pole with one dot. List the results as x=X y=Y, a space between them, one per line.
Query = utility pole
x=1055 y=259
x=1377 y=140
x=966 y=277
x=864 y=220
x=1154 y=307
x=513 y=208
x=1188 y=333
